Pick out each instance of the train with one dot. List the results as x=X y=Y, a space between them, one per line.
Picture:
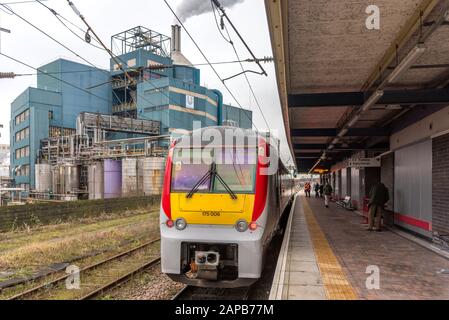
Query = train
x=221 y=205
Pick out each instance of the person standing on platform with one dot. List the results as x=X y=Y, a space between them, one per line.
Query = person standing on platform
x=321 y=190
x=316 y=187
x=327 y=194
x=307 y=188
x=379 y=196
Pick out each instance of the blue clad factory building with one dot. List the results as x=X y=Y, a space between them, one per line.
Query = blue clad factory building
x=160 y=84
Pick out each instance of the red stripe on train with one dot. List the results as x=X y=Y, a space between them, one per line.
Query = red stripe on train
x=261 y=191
x=166 y=206
x=413 y=221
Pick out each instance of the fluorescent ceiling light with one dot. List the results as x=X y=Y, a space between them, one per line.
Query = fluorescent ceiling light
x=406 y=63
x=343 y=132
x=372 y=100
x=353 y=121
x=393 y=107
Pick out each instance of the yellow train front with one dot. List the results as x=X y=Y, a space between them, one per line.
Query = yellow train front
x=220 y=206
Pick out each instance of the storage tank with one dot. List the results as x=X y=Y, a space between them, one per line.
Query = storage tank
x=112 y=178
x=151 y=175
x=129 y=177
x=95 y=178
x=70 y=180
x=56 y=180
x=43 y=177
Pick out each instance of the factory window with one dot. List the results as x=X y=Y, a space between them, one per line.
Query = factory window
x=132 y=63
x=156 y=108
x=22 y=171
x=22 y=152
x=58 y=132
x=22 y=134
x=156 y=90
x=22 y=117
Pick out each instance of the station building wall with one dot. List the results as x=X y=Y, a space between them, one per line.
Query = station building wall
x=440 y=192
x=421 y=165
x=413 y=187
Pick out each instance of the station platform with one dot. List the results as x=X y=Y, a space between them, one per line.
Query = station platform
x=327 y=254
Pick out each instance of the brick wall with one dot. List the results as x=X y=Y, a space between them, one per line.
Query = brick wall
x=440 y=182
x=16 y=216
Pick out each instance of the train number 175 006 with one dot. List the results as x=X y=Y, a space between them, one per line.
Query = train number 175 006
x=211 y=213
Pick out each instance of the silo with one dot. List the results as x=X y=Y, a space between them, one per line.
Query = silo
x=95 y=176
x=71 y=180
x=151 y=175
x=56 y=180
x=112 y=178
x=43 y=177
x=129 y=177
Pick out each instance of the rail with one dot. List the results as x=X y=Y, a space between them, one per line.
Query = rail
x=94 y=292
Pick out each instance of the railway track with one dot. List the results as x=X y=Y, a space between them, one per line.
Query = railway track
x=96 y=274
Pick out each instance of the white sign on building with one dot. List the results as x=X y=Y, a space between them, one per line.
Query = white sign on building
x=364 y=163
x=190 y=102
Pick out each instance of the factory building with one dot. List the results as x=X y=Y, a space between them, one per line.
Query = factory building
x=166 y=86
x=50 y=110
x=150 y=80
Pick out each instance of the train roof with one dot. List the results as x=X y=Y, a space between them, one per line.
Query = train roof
x=216 y=136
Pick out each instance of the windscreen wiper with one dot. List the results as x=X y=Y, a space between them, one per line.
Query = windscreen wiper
x=212 y=173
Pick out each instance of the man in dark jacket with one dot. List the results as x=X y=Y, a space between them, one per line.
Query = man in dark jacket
x=379 y=196
x=321 y=188
x=327 y=194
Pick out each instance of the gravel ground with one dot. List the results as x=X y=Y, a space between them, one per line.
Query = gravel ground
x=149 y=285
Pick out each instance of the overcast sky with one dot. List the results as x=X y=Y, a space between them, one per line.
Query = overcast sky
x=108 y=17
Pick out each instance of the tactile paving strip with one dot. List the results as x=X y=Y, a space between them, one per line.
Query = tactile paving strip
x=336 y=284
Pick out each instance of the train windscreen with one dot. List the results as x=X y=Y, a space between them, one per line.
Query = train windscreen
x=189 y=166
x=238 y=169
x=236 y=166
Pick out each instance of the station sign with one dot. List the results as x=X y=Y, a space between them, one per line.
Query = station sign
x=364 y=163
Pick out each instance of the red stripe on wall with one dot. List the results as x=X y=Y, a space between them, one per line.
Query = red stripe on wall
x=413 y=222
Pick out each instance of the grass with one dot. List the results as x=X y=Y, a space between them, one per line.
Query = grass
x=99 y=276
x=26 y=251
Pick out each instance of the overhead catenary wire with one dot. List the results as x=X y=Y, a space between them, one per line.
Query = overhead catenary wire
x=224 y=15
x=69 y=49
x=20 y=2
x=53 y=77
x=241 y=66
x=120 y=63
x=60 y=18
x=47 y=35
x=144 y=68
x=210 y=64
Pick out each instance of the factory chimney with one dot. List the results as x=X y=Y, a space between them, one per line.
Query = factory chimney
x=176 y=54
x=176 y=37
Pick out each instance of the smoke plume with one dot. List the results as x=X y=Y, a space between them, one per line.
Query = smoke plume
x=192 y=8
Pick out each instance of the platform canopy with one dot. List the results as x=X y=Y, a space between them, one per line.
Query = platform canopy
x=346 y=86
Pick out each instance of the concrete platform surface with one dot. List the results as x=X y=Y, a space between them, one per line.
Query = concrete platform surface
x=329 y=254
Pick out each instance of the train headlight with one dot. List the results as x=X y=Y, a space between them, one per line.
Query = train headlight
x=253 y=226
x=180 y=224
x=241 y=226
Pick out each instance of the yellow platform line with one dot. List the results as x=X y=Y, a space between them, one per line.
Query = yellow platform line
x=336 y=284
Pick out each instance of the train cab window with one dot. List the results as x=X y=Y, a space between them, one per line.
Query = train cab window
x=189 y=166
x=237 y=167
